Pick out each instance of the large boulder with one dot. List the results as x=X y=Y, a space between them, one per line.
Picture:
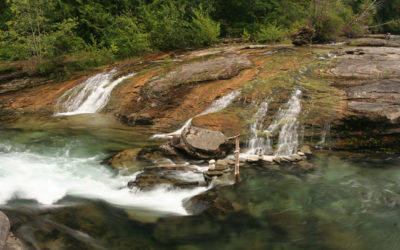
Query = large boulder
x=202 y=143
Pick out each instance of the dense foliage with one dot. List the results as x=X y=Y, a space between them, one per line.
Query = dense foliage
x=80 y=34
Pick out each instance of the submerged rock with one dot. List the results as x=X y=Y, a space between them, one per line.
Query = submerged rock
x=211 y=202
x=149 y=180
x=306 y=166
x=126 y=158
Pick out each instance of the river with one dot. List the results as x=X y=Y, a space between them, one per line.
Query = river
x=59 y=194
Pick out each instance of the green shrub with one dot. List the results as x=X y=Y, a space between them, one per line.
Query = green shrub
x=246 y=35
x=64 y=40
x=270 y=33
x=203 y=30
x=167 y=26
x=125 y=37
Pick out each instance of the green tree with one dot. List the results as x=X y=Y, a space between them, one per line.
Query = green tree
x=30 y=26
x=387 y=18
x=204 y=30
x=167 y=25
x=126 y=37
x=328 y=18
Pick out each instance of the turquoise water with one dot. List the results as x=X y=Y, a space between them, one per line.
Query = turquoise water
x=59 y=194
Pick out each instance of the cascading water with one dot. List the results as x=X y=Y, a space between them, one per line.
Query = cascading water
x=216 y=106
x=48 y=178
x=286 y=120
x=91 y=95
x=259 y=145
x=288 y=141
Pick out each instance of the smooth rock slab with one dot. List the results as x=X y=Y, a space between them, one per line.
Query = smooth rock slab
x=224 y=67
x=376 y=100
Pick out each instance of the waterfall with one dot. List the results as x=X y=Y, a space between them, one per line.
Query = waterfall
x=288 y=141
x=259 y=145
x=286 y=120
x=91 y=95
x=216 y=106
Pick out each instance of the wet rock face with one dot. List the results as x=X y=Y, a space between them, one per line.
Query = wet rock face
x=202 y=143
x=376 y=101
x=372 y=101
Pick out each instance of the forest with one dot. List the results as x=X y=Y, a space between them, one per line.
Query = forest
x=58 y=37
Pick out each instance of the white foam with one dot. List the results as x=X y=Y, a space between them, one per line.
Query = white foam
x=48 y=179
x=90 y=96
x=258 y=144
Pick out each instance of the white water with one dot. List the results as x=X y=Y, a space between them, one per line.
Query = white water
x=286 y=120
x=91 y=95
x=258 y=145
x=216 y=106
x=288 y=141
x=47 y=179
